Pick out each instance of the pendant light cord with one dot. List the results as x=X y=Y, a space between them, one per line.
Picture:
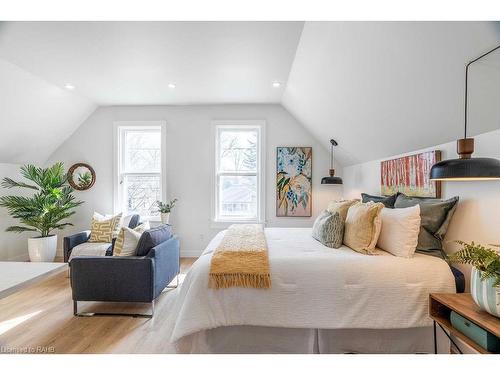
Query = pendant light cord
x=467 y=81
x=333 y=143
x=331 y=157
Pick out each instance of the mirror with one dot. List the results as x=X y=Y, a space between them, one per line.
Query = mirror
x=81 y=176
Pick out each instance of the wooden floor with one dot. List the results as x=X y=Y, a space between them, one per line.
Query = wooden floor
x=39 y=319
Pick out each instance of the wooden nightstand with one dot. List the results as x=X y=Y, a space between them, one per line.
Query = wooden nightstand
x=440 y=307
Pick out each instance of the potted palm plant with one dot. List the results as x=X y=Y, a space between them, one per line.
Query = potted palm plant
x=47 y=209
x=164 y=209
x=485 y=277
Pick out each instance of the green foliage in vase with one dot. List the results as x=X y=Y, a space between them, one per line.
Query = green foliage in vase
x=165 y=208
x=50 y=205
x=484 y=259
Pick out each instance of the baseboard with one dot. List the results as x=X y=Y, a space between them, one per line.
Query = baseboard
x=190 y=253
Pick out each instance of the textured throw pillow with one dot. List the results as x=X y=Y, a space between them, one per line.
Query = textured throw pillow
x=127 y=240
x=328 y=229
x=362 y=227
x=341 y=207
x=399 y=231
x=104 y=229
x=435 y=215
x=388 y=201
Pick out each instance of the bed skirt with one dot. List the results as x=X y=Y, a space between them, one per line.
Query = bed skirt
x=252 y=340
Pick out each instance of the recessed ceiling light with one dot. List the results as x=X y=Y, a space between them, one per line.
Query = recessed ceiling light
x=171 y=85
x=276 y=84
x=69 y=86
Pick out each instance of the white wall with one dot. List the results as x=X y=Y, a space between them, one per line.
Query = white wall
x=13 y=246
x=477 y=217
x=188 y=162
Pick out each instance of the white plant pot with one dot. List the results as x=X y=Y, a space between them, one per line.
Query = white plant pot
x=165 y=217
x=486 y=296
x=42 y=249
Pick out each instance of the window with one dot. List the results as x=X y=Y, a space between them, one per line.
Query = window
x=238 y=172
x=140 y=165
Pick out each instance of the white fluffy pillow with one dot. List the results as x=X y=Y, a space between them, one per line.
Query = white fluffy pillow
x=399 y=232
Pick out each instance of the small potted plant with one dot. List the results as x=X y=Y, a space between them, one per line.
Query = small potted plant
x=51 y=204
x=164 y=209
x=485 y=277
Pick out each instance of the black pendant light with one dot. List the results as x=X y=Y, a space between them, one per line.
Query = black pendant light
x=332 y=179
x=466 y=168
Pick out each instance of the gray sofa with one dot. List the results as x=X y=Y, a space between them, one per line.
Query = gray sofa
x=138 y=278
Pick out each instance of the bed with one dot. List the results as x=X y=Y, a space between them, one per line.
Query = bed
x=322 y=300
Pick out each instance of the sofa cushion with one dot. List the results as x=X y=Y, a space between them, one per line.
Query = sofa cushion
x=388 y=201
x=90 y=249
x=153 y=237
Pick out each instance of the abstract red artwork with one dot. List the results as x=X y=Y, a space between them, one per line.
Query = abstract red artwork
x=410 y=175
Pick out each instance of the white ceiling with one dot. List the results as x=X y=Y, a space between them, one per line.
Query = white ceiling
x=119 y=63
x=385 y=88
x=378 y=88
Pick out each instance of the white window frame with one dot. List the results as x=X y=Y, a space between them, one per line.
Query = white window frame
x=118 y=158
x=260 y=125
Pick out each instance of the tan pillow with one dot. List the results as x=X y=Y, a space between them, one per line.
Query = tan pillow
x=104 y=230
x=341 y=207
x=127 y=240
x=362 y=227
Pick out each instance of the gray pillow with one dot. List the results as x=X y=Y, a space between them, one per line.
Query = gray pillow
x=153 y=237
x=435 y=215
x=388 y=201
x=328 y=229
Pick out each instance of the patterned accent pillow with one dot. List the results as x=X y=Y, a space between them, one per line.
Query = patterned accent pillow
x=127 y=240
x=105 y=230
x=362 y=227
x=328 y=229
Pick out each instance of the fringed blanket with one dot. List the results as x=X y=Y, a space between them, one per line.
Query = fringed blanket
x=241 y=259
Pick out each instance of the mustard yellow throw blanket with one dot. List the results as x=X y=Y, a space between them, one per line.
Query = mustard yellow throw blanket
x=241 y=259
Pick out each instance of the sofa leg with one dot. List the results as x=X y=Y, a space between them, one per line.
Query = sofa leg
x=135 y=315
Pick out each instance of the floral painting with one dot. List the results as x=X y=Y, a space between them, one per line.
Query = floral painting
x=410 y=175
x=294 y=181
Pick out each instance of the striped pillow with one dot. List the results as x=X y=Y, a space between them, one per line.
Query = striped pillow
x=328 y=229
x=127 y=240
x=104 y=229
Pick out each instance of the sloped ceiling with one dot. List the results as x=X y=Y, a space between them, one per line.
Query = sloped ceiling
x=385 y=88
x=35 y=115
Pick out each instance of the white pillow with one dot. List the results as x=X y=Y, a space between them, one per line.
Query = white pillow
x=127 y=240
x=399 y=232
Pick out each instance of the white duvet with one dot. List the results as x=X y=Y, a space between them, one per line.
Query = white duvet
x=314 y=286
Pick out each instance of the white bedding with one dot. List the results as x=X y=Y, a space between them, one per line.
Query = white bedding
x=314 y=286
